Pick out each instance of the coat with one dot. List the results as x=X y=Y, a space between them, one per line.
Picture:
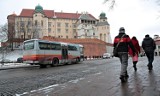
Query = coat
x=124 y=43
x=136 y=47
x=148 y=44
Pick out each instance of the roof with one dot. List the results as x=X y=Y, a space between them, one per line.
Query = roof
x=51 y=14
x=86 y=17
x=102 y=23
x=30 y=12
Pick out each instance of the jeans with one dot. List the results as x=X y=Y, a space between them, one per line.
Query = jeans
x=123 y=56
x=150 y=57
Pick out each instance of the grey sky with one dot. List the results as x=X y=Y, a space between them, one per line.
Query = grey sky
x=139 y=17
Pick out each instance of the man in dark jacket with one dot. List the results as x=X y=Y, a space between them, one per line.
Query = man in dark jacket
x=149 y=46
x=123 y=51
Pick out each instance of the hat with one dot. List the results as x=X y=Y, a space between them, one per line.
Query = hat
x=121 y=30
x=147 y=35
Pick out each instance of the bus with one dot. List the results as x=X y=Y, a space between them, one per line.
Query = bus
x=43 y=52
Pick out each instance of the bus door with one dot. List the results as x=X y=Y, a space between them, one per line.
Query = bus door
x=64 y=52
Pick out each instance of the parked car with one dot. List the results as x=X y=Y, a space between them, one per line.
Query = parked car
x=106 y=55
x=20 y=60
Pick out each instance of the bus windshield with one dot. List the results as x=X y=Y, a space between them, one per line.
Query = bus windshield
x=29 y=45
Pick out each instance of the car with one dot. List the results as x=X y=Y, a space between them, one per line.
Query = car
x=20 y=60
x=106 y=55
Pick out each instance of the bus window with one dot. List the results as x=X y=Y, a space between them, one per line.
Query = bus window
x=29 y=45
x=72 y=48
x=44 y=46
x=55 y=46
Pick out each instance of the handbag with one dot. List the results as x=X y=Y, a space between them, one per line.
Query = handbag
x=115 y=51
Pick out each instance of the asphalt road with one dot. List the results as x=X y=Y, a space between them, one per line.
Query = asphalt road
x=89 y=78
x=18 y=81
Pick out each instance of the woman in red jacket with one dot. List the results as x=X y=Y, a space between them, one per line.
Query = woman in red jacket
x=137 y=49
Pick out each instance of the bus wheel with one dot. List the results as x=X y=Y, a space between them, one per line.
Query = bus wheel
x=55 y=62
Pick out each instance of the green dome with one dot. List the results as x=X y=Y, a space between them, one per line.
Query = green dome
x=39 y=8
x=103 y=15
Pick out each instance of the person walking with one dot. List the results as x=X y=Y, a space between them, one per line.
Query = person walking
x=121 y=42
x=149 y=46
x=137 y=49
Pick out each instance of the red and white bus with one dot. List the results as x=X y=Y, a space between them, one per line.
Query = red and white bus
x=43 y=52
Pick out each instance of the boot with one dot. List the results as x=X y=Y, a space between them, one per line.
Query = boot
x=123 y=78
x=126 y=74
x=150 y=67
x=134 y=66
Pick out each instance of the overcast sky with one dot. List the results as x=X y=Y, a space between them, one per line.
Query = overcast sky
x=138 y=17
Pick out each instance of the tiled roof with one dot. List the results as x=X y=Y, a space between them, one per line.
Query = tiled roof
x=51 y=14
x=30 y=12
x=67 y=15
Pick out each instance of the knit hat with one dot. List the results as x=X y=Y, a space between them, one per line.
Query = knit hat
x=121 y=30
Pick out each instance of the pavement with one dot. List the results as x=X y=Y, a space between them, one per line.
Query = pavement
x=140 y=83
x=107 y=83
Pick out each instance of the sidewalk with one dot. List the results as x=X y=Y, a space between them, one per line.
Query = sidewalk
x=107 y=83
x=140 y=83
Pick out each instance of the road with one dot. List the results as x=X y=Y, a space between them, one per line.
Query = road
x=89 y=78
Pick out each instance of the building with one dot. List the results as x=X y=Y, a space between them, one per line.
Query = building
x=37 y=23
x=157 y=41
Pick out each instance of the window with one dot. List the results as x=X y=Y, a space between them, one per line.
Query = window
x=29 y=23
x=49 y=46
x=41 y=23
x=74 y=30
x=72 y=48
x=66 y=24
x=49 y=24
x=44 y=46
x=36 y=23
x=59 y=24
x=49 y=29
x=66 y=30
x=55 y=46
x=21 y=36
x=29 y=45
x=29 y=36
x=59 y=30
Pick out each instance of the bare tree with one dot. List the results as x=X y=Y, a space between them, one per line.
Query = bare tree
x=3 y=38
x=111 y=3
x=3 y=33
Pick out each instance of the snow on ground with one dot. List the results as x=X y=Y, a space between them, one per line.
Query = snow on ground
x=13 y=55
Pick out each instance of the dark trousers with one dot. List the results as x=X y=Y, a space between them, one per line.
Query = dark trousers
x=150 y=57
